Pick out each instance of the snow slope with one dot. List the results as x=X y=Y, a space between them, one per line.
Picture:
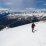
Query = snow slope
x=23 y=36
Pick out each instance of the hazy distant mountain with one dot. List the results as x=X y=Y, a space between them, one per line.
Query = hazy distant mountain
x=13 y=19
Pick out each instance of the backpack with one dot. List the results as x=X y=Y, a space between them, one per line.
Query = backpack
x=33 y=25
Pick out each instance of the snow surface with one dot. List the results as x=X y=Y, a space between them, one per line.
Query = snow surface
x=23 y=36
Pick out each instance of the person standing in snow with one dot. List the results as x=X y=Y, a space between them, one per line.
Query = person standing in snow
x=33 y=25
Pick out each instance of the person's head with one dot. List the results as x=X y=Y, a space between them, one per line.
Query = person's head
x=33 y=22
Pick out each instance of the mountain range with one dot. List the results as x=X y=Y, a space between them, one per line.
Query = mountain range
x=17 y=18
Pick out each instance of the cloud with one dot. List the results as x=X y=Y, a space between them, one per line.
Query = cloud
x=17 y=4
x=3 y=9
x=9 y=3
x=44 y=4
x=30 y=8
x=0 y=3
x=40 y=1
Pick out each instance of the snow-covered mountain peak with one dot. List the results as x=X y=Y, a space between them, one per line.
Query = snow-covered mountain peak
x=23 y=36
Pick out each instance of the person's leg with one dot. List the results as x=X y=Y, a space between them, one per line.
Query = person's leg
x=32 y=29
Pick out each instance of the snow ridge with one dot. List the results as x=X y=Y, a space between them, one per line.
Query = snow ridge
x=23 y=36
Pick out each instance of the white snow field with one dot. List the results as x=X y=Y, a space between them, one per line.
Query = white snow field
x=23 y=36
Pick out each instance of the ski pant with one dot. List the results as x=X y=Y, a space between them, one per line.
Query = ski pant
x=32 y=29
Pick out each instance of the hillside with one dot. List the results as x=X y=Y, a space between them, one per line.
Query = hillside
x=23 y=36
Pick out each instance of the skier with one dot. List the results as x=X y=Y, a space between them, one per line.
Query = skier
x=33 y=25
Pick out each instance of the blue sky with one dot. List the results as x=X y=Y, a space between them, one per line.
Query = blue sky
x=22 y=4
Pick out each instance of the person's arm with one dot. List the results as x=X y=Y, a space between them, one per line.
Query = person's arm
x=34 y=24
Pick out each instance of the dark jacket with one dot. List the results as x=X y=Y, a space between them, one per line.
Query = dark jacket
x=33 y=25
